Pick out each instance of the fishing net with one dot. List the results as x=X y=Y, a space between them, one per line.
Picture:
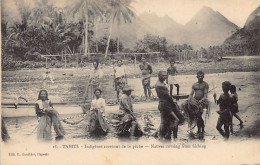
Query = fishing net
x=193 y=109
x=97 y=123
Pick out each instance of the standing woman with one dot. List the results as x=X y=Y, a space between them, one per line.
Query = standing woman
x=120 y=77
x=47 y=115
x=95 y=78
x=97 y=124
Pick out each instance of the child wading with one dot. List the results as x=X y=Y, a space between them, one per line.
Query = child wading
x=224 y=112
x=97 y=124
x=47 y=115
x=171 y=77
x=48 y=76
x=234 y=106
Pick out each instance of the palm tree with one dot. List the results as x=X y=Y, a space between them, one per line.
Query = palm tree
x=86 y=8
x=118 y=9
x=46 y=14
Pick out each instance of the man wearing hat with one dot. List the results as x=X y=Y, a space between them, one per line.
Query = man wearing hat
x=146 y=75
x=170 y=117
x=128 y=120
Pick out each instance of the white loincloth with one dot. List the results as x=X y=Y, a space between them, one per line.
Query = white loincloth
x=172 y=80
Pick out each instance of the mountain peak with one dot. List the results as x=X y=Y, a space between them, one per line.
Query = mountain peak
x=209 y=27
x=253 y=21
x=206 y=9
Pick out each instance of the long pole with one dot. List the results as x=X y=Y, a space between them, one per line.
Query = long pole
x=46 y=62
x=65 y=61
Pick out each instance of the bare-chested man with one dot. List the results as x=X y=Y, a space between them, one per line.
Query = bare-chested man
x=196 y=103
x=170 y=114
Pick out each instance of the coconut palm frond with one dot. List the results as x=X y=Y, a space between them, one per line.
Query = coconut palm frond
x=77 y=7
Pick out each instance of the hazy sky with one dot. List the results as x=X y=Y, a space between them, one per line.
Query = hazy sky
x=181 y=11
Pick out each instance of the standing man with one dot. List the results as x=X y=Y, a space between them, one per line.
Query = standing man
x=170 y=115
x=146 y=76
x=171 y=77
x=196 y=104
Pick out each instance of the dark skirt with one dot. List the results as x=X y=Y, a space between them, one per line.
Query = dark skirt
x=193 y=111
x=97 y=124
x=120 y=83
x=166 y=108
x=234 y=109
x=126 y=122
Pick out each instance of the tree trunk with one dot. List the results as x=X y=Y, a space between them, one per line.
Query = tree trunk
x=118 y=38
x=117 y=44
x=86 y=30
x=108 y=40
x=96 y=36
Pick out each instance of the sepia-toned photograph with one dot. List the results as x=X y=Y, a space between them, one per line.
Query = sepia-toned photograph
x=122 y=82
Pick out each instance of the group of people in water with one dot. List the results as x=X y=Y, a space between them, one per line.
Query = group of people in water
x=171 y=114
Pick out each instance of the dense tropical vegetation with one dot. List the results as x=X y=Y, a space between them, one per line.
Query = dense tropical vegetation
x=45 y=29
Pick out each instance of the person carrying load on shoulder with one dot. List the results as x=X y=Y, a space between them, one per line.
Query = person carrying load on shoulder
x=171 y=116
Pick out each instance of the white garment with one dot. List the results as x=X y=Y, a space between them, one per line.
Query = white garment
x=41 y=105
x=172 y=80
x=48 y=76
x=96 y=73
x=98 y=104
x=120 y=71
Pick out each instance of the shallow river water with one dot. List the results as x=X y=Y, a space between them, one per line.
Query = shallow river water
x=23 y=129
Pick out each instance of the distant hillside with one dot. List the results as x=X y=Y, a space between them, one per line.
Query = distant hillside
x=128 y=33
x=253 y=21
x=208 y=28
x=148 y=23
x=246 y=41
